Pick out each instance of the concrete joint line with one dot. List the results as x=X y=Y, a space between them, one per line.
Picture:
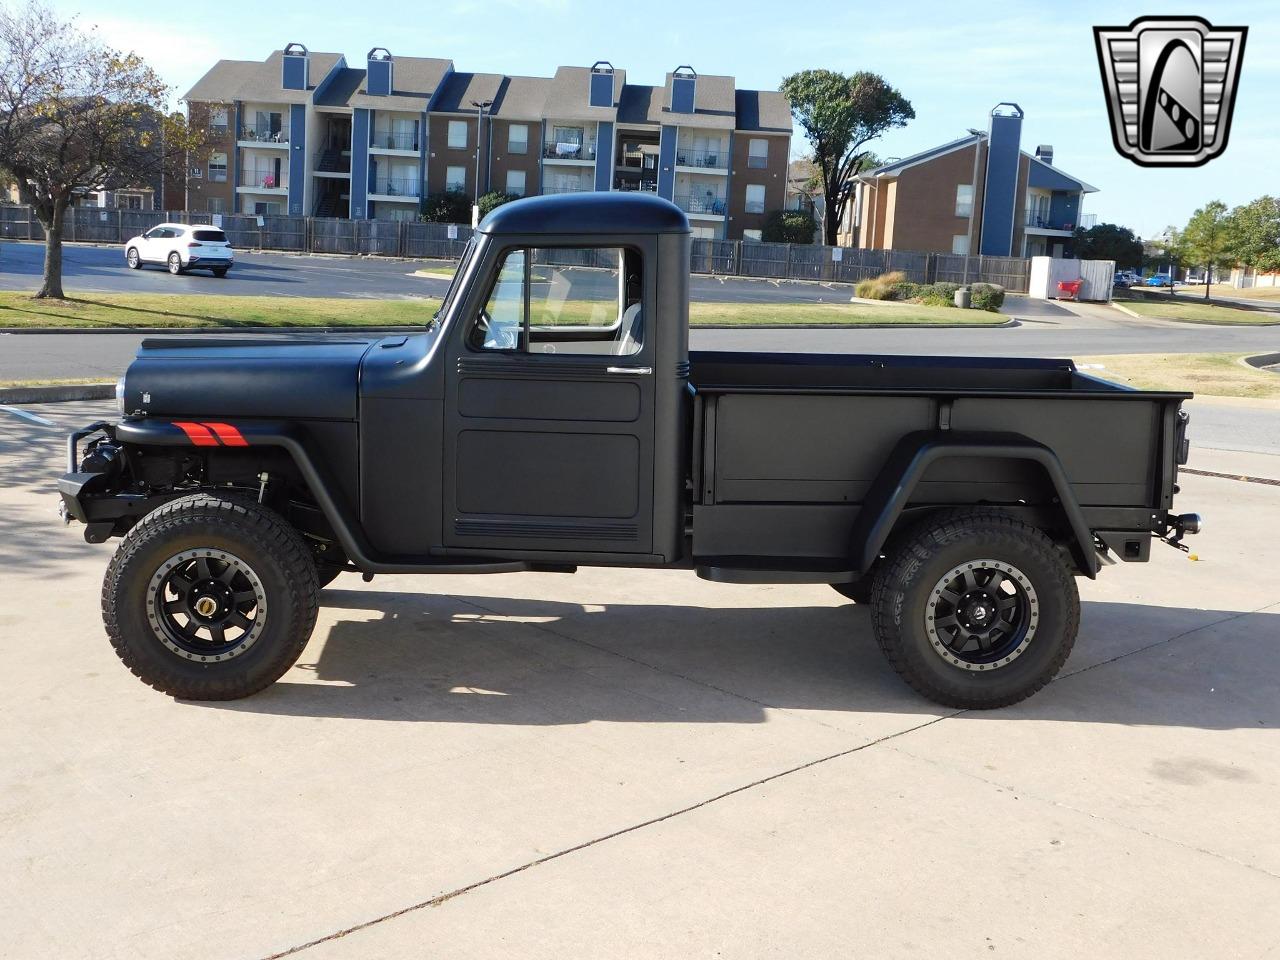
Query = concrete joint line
x=444 y=897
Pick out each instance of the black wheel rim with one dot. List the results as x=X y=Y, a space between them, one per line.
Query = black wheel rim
x=981 y=615
x=206 y=605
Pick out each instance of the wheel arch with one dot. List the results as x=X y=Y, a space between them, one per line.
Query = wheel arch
x=911 y=458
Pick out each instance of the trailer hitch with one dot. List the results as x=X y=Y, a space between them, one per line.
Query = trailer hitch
x=1182 y=525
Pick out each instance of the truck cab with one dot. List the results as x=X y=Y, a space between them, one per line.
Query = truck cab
x=550 y=415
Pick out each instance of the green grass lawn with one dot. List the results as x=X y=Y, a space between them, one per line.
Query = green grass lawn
x=1194 y=309
x=193 y=311
x=1205 y=374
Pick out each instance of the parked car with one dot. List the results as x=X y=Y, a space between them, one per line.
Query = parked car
x=180 y=247
x=1120 y=280
x=1131 y=277
x=959 y=497
x=1158 y=280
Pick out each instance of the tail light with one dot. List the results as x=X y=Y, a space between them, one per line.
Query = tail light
x=189 y=245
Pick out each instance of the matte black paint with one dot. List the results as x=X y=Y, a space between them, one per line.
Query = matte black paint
x=424 y=454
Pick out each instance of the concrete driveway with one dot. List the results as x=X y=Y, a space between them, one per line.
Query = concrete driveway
x=642 y=764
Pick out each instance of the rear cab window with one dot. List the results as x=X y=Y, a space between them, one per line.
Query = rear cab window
x=209 y=236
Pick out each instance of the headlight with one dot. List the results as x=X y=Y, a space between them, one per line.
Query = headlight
x=120 y=396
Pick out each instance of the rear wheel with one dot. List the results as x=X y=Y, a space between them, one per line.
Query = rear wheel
x=132 y=259
x=175 y=263
x=210 y=598
x=219 y=272
x=976 y=610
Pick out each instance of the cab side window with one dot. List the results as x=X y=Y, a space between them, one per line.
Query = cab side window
x=564 y=300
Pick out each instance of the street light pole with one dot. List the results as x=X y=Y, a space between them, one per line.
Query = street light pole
x=481 y=106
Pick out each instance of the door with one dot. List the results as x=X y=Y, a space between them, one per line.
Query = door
x=549 y=432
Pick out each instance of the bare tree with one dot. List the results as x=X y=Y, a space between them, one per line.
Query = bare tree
x=76 y=114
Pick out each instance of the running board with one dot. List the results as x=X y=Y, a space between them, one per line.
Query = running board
x=737 y=571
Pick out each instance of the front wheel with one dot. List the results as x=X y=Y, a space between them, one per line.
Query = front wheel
x=210 y=598
x=132 y=259
x=175 y=263
x=976 y=610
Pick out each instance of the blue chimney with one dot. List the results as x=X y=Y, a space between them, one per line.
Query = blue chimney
x=601 y=84
x=294 y=69
x=379 y=72
x=1000 y=188
x=683 y=83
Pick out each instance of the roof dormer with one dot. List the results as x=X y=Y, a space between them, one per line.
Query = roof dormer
x=684 y=80
x=601 y=92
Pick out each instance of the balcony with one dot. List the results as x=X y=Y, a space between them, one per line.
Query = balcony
x=635 y=186
x=713 y=160
x=569 y=151
x=571 y=188
x=1043 y=220
x=264 y=181
x=701 y=204
x=405 y=140
x=262 y=135
x=406 y=188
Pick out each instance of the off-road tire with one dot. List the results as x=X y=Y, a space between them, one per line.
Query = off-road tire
x=859 y=591
x=902 y=588
x=260 y=537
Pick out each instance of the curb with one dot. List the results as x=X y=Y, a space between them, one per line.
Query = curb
x=1262 y=361
x=57 y=393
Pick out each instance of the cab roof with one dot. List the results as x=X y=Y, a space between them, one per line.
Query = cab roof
x=587 y=213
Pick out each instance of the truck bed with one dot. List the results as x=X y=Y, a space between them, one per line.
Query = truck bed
x=786 y=448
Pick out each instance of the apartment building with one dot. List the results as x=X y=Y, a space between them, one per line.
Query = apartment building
x=303 y=133
x=979 y=194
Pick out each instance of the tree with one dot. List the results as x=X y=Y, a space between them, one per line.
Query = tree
x=1206 y=238
x=1107 y=241
x=452 y=206
x=493 y=200
x=789 y=226
x=840 y=115
x=76 y=114
x=1254 y=235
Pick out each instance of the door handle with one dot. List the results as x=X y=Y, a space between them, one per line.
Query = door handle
x=630 y=371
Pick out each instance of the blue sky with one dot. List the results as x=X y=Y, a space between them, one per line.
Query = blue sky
x=953 y=64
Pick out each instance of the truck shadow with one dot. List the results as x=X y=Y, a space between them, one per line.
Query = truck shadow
x=411 y=657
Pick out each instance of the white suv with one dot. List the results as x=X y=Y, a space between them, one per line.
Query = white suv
x=182 y=246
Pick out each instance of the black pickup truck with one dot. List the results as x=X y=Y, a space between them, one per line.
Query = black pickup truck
x=550 y=415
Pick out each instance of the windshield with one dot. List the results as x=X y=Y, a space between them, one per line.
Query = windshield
x=456 y=283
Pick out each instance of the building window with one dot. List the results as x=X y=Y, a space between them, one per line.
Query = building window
x=964 y=199
x=758 y=154
x=218 y=168
x=218 y=120
x=755 y=198
x=455 y=178
x=216 y=205
x=960 y=244
x=457 y=134
x=751 y=234
x=516 y=182
x=518 y=138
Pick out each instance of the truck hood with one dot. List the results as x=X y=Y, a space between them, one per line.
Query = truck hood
x=315 y=379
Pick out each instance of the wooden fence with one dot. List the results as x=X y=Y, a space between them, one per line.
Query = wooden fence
x=441 y=241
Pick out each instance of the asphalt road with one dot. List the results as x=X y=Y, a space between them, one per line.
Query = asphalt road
x=638 y=763
x=101 y=269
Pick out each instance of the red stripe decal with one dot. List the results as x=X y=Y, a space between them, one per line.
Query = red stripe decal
x=196 y=433
x=228 y=434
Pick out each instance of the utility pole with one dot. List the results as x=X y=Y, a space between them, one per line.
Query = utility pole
x=481 y=106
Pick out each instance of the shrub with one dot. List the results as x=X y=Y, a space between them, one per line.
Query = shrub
x=934 y=299
x=946 y=289
x=452 y=206
x=494 y=199
x=789 y=226
x=987 y=296
x=881 y=287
